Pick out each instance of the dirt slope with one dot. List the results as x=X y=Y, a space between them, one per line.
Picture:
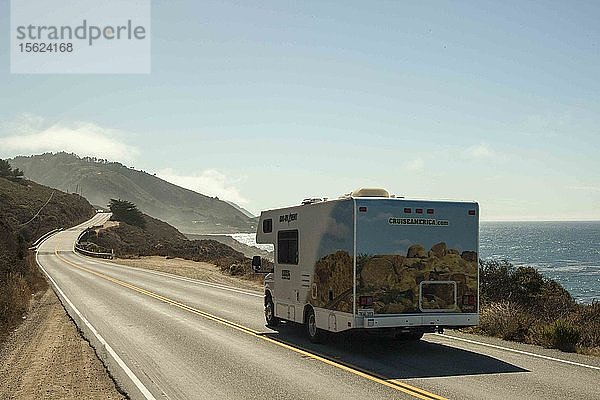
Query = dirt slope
x=27 y=211
x=45 y=358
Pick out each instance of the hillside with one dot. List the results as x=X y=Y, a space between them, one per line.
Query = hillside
x=157 y=238
x=20 y=201
x=100 y=180
x=243 y=210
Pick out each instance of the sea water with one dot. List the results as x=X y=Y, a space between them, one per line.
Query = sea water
x=568 y=252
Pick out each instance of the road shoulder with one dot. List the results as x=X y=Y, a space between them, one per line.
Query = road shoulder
x=45 y=357
x=489 y=341
x=190 y=269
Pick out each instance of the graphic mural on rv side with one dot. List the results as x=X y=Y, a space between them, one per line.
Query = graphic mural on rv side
x=402 y=267
x=333 y=280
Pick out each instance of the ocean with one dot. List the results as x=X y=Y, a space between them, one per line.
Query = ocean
x=568 y=252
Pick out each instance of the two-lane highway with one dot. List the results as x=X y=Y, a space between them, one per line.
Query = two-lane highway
x=184 y=339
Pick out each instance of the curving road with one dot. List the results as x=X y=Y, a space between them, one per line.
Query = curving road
x=165 y=336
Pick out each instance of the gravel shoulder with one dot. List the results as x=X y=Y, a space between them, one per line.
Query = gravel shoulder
x=46 y=358
x=190 y=269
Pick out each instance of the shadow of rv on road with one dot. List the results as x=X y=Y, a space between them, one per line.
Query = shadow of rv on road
x=390 y=358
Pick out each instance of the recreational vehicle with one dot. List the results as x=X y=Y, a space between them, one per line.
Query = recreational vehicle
x=369 y=260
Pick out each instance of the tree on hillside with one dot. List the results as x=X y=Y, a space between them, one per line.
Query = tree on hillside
x=126 y=211
x=5 y=168
x=6 y=171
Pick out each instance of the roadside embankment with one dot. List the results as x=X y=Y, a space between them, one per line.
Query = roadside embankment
x=192 y=269
x=520 y=304
x=46 y=358
x=156 y=238
x=28 y=211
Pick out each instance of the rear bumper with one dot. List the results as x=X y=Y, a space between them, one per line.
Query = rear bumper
x=416 y=320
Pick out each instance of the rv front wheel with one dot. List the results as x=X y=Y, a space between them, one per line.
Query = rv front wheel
x=270 y=317
x=315 y=334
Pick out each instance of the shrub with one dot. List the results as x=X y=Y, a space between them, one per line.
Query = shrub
x=501 y=281
x=505 y=320
x=588 y=317
x=14 y=299
x=519 y=303
x=561 y=334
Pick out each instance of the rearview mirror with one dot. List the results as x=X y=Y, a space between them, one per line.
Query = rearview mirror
x=259 y=268
x=256 y=262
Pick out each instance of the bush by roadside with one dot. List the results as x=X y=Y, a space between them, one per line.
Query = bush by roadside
x=520 y=304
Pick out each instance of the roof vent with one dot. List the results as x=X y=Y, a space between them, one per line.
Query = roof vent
x=370 y=192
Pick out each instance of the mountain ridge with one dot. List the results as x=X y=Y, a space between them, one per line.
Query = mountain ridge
x=99 y=180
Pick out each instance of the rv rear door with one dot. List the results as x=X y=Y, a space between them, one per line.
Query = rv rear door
x=417 y=256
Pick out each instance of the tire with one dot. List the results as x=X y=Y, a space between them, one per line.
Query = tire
x=415 y=336
x=270 y=317
x=315 y=334
x=409 y=336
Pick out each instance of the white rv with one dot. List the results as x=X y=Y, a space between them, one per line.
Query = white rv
x=369 y=260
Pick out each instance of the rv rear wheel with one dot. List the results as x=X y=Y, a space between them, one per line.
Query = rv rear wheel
x=415 y=336
x=411 y=336
x=315 y=334
x=270 y=317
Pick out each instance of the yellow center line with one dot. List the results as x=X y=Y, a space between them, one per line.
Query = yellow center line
x=391 y=383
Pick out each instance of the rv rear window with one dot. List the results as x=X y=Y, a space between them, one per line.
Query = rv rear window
x=267 y=225
x=287 y=247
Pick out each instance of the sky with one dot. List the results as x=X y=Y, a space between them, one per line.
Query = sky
x=267 y=103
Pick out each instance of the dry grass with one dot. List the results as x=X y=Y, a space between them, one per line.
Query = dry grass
x=520 y=304
x=15 y=295
x=19 y=275
x=505 y=320
x=196 y=270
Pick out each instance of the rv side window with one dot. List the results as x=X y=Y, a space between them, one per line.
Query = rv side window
x=268 y=225
x=287 y=247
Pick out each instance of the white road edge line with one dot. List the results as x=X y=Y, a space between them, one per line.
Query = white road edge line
x=134 y=379
x=521 y=352
x=177 y=277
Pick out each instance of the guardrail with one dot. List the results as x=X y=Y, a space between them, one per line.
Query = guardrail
x=110 y=255
x=88 y=253
x=39 y=240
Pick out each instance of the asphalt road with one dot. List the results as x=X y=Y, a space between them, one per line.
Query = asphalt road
x=184 y=339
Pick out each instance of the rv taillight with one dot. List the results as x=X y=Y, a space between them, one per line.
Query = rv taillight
x=362 y=209
x=365 y=301
x=430 y=211
x=419 y=211
x=471 y=212
x=469 y=299
x=407 y=210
